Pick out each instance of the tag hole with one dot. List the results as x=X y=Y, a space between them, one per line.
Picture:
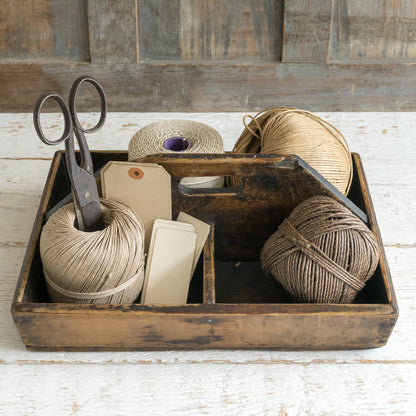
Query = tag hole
x=136 y=173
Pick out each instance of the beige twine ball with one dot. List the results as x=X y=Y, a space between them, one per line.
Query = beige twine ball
x=284 y=130
x=196 y=138
x=322 y=253
x=103 y=266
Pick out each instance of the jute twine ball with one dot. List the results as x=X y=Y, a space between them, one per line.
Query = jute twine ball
x=103 y=266
x=286 y=130
x=179 y=136
x=322 y=253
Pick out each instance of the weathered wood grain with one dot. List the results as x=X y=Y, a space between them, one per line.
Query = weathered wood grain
x=70 y=29
x=373 y=31
x=209 y=268
x=17 y=217
x=380 y=138
x=213 y=56
x=20 y=43
x=46 y=29
x=197 y=30
x=227 y=389
x=306 y=30
x=222 y=30
x=349 y=31
x=159 y=26
x=219 y=87
x=113 y=31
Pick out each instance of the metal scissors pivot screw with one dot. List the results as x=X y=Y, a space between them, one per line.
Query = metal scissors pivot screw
x=83 y=185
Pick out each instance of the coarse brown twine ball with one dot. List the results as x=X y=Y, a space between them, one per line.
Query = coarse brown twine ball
x=285 y=130
x=105 y=266
x=322 y=253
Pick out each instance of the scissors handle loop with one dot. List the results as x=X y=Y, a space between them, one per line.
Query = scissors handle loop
x=72 y=105
x=68 y=127
x=83 y=185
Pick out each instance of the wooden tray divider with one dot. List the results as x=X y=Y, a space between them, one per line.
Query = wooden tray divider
x=209 y=268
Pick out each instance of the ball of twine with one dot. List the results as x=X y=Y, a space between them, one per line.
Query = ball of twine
x=287 y=130
x=322 y=253
x=103 y=266
x=179 y=136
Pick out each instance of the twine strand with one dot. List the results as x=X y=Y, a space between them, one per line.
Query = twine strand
x=284 y=130
x=248 y=126
x=317 y=255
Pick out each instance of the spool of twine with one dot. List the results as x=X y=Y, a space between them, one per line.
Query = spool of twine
x=103 y=266
x=179 y=136
x=322 y=253
x=284 y=130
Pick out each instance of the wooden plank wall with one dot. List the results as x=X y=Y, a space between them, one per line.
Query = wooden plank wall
x=221 y=55
x=43 y=30
x=117 y=22
x=190 y=30
x=350 y=31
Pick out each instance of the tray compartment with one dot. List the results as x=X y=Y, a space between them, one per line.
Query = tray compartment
x=240 y=281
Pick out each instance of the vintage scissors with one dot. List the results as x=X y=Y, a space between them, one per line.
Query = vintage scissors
x=83 y=184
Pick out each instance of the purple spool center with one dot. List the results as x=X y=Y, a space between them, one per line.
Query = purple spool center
x=177 y=144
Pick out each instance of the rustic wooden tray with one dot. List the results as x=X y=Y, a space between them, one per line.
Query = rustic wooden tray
x=231 y=304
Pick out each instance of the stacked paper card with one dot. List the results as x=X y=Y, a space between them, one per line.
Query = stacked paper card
x=174 y=250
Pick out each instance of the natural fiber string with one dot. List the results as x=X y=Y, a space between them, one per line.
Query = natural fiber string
x=317 y=255
x=197 y=137
x=94 y=295
x=104 y=266
x=285 y=130
x=322 y=253
x=255 y=122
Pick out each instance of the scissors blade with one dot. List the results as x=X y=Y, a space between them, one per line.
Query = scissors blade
x=66 y=199
x=84 y=188
x=79 y=216
x=86 y=159
x=88 y=200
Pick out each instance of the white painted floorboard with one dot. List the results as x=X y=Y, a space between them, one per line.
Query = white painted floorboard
x=378 y=382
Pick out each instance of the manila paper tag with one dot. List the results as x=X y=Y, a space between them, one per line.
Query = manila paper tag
x=144 y=187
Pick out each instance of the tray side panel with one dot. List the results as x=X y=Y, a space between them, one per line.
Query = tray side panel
x=166 y=331
x=23 y=282
x=368 y=203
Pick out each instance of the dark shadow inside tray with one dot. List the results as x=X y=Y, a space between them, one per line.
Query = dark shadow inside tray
x=245 y=282
x=196 y=286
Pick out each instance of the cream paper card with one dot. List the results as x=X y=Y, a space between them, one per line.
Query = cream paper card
x=202 y=230
x=169 y=264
